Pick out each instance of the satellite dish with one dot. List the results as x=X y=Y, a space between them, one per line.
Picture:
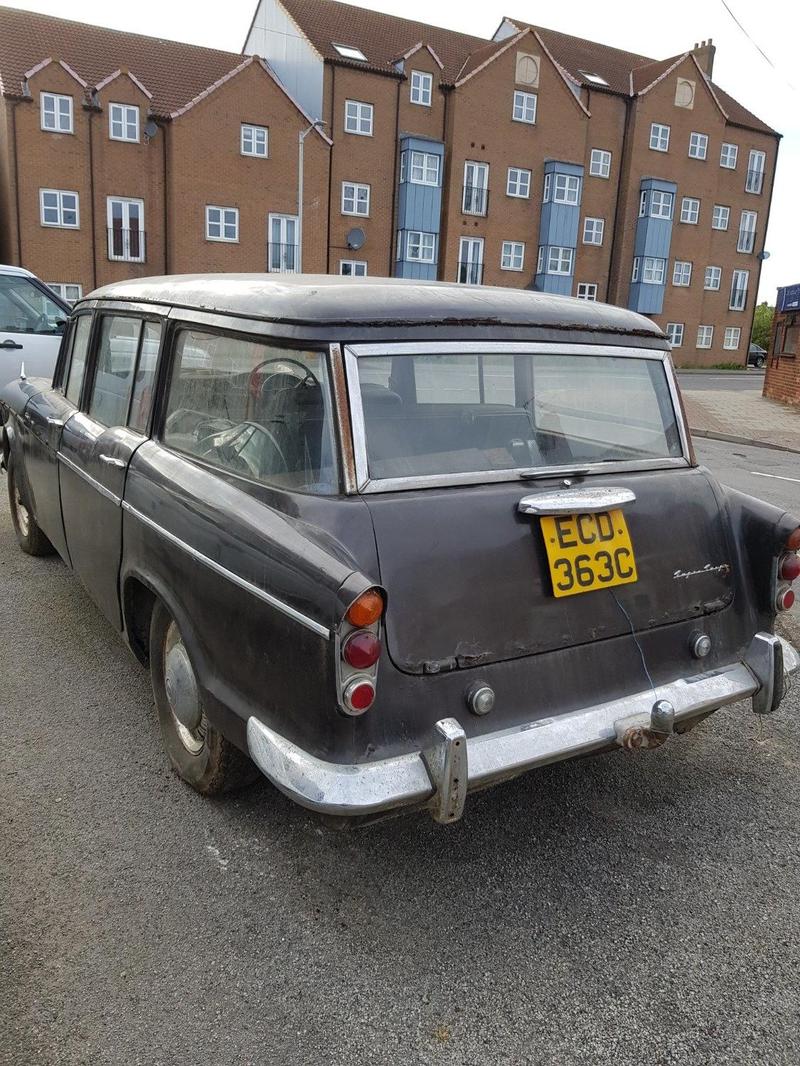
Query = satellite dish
x=356 y=238
x=762 y=256
x=151 y=129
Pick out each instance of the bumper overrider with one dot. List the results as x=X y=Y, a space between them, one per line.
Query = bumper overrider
x=440 y=777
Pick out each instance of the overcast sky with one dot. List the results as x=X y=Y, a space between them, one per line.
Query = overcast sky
x=772 y=94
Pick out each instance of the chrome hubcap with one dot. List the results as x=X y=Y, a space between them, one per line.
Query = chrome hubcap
x=183 y=694
x=23 y=516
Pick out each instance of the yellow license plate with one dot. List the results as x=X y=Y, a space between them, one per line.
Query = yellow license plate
x=588 y=551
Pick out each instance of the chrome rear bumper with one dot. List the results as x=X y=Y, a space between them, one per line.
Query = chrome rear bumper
x=455 y=764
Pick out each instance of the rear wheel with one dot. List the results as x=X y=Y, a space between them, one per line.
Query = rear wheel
x=199 y=754
x=760 y=361
x=29 y=536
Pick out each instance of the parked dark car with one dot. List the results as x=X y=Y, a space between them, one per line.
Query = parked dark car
x=393 y=542
x=756 y=356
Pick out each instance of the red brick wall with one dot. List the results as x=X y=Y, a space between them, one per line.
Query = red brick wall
x=782 y=379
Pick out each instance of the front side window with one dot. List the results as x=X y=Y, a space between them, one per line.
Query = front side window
x=593 y=230
x=125 y=229
x=733 y=336
x=698 y=145
x=424 y=168
x=56 y=113
x=739 y=284
x=421 y=88
x=512 y=255
x=352 y=268
x=421 y=247
x=25 y=308
x=729 y=153
x=674 y=330
x=114 y=371
x=222 y=223
x=659 y=137
x=253 y=409
x=747 y=231
x=682 y=273
x=720 y=217
x=77 y=359
x=653 y=270
x=690 y=210
x=519 y=182
x=705 y=336
x=123 y=122
x=59 y=208
x=524 y=107
x=254 y=140
x=441 y=413
x=600 y=163
x=660 y=203
x=358 y=118
x=587 y=290
x=713 y=278
x=355 y=198
x=755 y=172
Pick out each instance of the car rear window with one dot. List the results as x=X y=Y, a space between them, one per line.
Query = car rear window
x=455 y=413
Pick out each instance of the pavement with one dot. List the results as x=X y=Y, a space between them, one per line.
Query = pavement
x=730 y=407
x=630 y=909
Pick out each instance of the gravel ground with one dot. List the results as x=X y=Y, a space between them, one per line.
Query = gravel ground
x=627 y=909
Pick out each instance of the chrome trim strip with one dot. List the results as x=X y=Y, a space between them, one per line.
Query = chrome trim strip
x=109 y=495
x=459 y=347
x=365 y=788
x=242 y=582
x=579 y=500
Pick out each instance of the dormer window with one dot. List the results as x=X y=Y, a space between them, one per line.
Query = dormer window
x=123 y=122
x=56 y=113
x=421 y=88
x=349 y=51
x=595 y=79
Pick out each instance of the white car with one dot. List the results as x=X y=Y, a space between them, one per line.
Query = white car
x=32 y=320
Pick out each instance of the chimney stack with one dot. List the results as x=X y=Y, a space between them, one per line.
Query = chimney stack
x=704 y=54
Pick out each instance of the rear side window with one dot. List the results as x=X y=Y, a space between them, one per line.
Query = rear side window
x=142 y=398
x=77 y=361
x=113 y=378
x=254 y=409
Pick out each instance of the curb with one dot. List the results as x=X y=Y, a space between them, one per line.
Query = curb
x=731 y=439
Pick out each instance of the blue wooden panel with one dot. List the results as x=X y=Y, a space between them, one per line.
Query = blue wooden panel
x=419 y=207
x=653 y=237
x=647 y=299
x=560 y=284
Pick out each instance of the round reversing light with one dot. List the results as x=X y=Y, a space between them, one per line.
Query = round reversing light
x=361 y=650
x=790 y=567
x=359 y=695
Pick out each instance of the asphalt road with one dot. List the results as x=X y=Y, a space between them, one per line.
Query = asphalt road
x=734 y=380
x=630 y=909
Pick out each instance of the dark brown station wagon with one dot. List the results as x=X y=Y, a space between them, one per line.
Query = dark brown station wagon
x=393 y=542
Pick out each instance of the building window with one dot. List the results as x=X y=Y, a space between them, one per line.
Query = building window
x=512 y=256
x=475 y=198
x=358 y=118
x=720 y=217
x=420 y=247
x=652 y=270
x=355 y=198
x=682 y=273
x=470 y=261
x=587 y=291
x=593 y=230
x=56 y=113
x=698 y=145
x=222 y=223
x=559 y=260
x=67 y=290
x=713 y=278
x=349 y=51
x=283 y=252
x=123 y=122
x=755 y=172
x=728 y=155
x=674 y=331
x=424 y=168
x=739 y=283
x=519 y=182
x=600 y=163
x=733 y=336
x=659 y=137
x=126 y=239
x=524 y=107
x=352 y=268
x=637 y=262
x=747 y=232
x=255 y=140
x=59 y=208
x=421 y=88
x=562 y=188
x=690 y=210
x=660 y=203
x=705 y=336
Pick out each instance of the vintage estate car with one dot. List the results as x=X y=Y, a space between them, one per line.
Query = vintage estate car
x=392 y=542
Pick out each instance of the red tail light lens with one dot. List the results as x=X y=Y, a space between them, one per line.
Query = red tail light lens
x=358 y=695
x=793 y=543
x=784 y=600
x=366 y=610
x=789 y=567
x=361 y=650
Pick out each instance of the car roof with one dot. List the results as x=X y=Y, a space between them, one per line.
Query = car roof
x=372 y=302
x=6 y=268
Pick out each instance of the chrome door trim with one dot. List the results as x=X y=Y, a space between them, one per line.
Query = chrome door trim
x=109 y=495
x=577 y=500
x=459 y=347
x=222 y=571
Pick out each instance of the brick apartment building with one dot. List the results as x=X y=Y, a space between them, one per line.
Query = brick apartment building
x=534 y=159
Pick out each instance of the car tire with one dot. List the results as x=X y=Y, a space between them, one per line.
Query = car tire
x=760 y=362
x=29 y=536
x=200 y=754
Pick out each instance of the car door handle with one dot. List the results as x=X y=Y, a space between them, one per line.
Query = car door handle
x=9 y=344
x=112 y=460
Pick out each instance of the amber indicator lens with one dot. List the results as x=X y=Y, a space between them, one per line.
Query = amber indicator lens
x=793 y=543
x=366 y=610
x=790 y=567
x=361 y=650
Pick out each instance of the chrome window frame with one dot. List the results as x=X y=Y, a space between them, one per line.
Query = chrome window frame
x=365 y=484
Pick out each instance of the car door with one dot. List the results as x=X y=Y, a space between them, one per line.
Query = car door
x=31 y=325
x=97 y=443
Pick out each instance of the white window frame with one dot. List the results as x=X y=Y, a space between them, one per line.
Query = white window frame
x=720 y=211
x=728 y=155
x=662 y=203
x=222 y=222
x=727 y=340
x=738 y=302
x=479 y=185
x=560 y=260
x=600 y=163
x=705 y=337
x=421 y=163
x=586 y=290
x=421 y=88
x=419 y=248
x=659 y=137
x=350 y=192
x=473 y=264
x=713 y=279
x=682 y=273
x=119 y=114
x=515 y=183
x=654 y=270
x=60 y=209
x=60 y=289
x=746 y=240
x=753 y=171
x=675 y=330
x=566 y=189
x=524 y=109
x=126 y=256
x=58 y=115
x=637 y=262
x=512 y=255
x=349 y=51
x=698 y=145
x=357 y=268
x=279 y=259
x=251 y=132
x=357 y=115
x=593 y=230
x=690 y=210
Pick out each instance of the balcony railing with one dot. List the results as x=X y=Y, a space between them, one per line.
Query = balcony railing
x=470 y=273
x=755 y=181
x=747 y=241
x=282 y=258
x=475 y=200
x=126 y=245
